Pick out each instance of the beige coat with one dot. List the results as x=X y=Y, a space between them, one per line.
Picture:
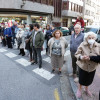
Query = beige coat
x=63 y=43
x=20 y=34
x=84 y=49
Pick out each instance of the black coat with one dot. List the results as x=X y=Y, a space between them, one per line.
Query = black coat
x=95 y=58
x=27 y=47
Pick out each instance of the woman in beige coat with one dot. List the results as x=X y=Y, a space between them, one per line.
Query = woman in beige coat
x=20 y=35
x=57 y=45
x=89 y=47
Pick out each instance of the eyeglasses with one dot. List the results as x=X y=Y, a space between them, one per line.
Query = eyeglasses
x=57 y=33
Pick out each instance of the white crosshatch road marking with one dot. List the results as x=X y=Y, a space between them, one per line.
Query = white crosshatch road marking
x=47 y=59
x=23 y=62
x=11 y=55
x=2 y=50
x=67 y=53
x=44 y=73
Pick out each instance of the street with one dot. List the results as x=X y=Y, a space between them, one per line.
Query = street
x=26 y=27
x=22 y=81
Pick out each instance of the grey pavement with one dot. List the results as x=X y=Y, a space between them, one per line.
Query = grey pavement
x=94 y=87
x=21 y=83
x=65 y=80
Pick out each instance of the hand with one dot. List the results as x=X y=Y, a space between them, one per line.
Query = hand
x=85 y=57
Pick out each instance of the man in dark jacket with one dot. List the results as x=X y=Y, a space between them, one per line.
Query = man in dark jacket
x=37 y=43
x=13 y=28
x=48 y=35
x=76 y=39
x=8 y=34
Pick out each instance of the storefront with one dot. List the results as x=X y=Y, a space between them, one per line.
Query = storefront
x=22 y=18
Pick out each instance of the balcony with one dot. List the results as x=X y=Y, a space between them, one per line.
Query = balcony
x=30 y=6
x=71 y=9
x=47 y=2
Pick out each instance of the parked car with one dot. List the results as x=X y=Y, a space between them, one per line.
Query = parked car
x=65 y=31
x=95 y=29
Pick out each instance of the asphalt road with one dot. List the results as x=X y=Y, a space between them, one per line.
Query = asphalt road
x=19 y=80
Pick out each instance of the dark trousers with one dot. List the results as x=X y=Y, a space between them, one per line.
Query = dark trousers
x=30 y=51
x=13 y=40
x=74 y=65
x=37 y=54
x=9 y=39
x=47 y=47
x=3 y=42
x=22 y=51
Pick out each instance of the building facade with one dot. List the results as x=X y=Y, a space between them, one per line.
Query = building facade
x=58 y=12
x=70 y=10
x=97 y=13
x=27 y=7
x=92 y=12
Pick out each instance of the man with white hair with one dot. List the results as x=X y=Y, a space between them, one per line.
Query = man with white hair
x=76 y=39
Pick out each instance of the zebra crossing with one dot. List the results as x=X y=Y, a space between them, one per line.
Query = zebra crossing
x=22 y=61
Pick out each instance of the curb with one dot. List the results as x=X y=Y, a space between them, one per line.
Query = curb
x=73 y=85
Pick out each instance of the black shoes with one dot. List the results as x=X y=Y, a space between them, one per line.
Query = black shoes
x=53 y=71
x=23 y=54
x=60 y=73
x=19 y=53
x=40 y=67
x=33 y=63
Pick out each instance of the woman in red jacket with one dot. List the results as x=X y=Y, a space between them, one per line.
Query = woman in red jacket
x=80 y=19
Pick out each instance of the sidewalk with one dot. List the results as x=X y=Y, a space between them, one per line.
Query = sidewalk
x=94 y=87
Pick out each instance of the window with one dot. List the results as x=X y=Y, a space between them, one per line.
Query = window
x=39 y=1
x=87 y=12
x=76 y=7
x=44 y=1
x=64 y=5
x=50 y=2
x=69 y=5
x=80 y=9
x=72 y=6
x=57 y=8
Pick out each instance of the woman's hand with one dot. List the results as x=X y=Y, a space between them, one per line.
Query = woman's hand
x=85 y=57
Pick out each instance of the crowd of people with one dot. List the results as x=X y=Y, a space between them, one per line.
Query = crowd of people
x=85 y=51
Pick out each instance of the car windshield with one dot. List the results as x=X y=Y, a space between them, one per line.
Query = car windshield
x=95 y=30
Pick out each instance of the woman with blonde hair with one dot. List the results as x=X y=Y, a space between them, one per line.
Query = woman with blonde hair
x=57 y=45
x=87 y=68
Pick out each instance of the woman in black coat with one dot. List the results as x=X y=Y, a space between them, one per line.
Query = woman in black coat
x=97 y=60
x=28 y=43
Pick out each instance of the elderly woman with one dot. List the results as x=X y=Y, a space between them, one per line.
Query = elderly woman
x=57 y=45
x=87 y=68
x=21 y=40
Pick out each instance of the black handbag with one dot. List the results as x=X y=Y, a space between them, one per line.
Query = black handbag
x=19 y=41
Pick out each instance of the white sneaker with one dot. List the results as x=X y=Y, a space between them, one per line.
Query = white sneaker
x=76 y=79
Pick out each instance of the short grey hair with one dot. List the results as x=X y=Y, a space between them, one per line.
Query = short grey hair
x=77 y=25
x=90 y=33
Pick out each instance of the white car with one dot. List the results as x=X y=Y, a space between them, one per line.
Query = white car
x=95 y=29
